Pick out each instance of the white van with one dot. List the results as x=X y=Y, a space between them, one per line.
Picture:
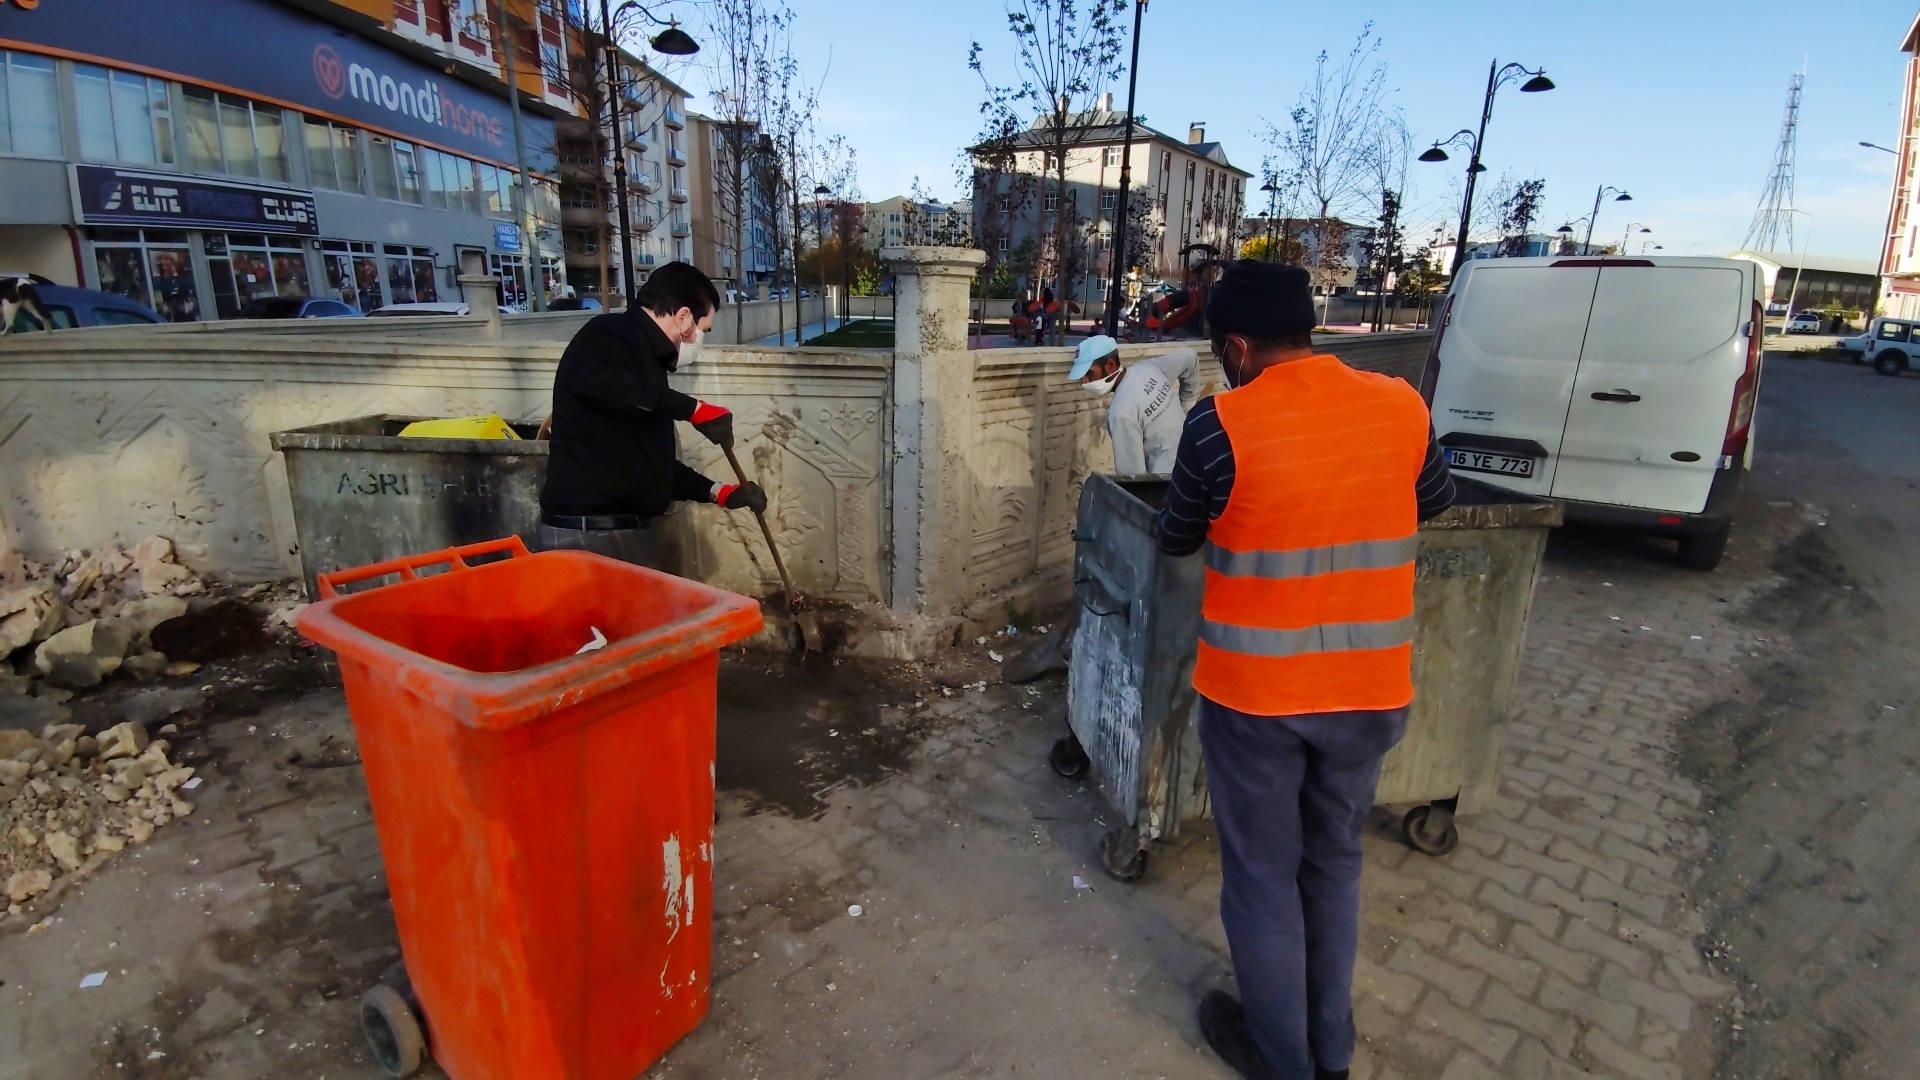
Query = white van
x=1622 y=388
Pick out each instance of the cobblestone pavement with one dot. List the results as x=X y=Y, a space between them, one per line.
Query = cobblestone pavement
x=1562 y=939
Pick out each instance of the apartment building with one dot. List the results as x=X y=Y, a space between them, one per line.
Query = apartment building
x=903 y=220
x=362 y=149
x=730 y=213
x=1193 y=196
x=1899 y=258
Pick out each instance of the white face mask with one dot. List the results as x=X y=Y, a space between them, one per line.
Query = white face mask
x=1103 y=387
x=699 y=336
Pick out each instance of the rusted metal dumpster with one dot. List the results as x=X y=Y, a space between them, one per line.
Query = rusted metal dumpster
x=362 y=495
x=1130 y=697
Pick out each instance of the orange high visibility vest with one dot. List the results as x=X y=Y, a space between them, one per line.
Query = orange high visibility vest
x=1309 y=597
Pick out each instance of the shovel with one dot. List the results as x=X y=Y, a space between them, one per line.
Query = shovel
x=797 y=605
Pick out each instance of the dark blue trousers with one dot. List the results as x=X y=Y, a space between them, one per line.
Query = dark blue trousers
x=1290 y=794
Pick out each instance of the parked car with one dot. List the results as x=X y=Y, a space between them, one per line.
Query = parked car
x=575 y=303
x=431 y=308
x=70 y=307
x=296 y=307
x=1623 y=389
x=1806 y=322
x=1892 y=345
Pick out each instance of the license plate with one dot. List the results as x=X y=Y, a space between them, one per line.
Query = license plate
x=1481 y=461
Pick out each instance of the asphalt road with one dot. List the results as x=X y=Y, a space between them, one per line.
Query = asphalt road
x=1812 y=880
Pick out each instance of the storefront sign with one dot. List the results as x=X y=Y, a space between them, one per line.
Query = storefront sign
x=506 y=236
x=289 y=56
x=108 y=196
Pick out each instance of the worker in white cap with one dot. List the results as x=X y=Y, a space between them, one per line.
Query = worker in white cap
x=1150 y=401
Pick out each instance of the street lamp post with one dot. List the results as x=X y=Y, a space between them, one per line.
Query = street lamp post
x=1117 y=268
x=819 y=246
x=1627 y=236
x=1619 y=196
x=1877 y=146
x=1793 y=293
x=1497 y=77
x=672 y=41
x=1273 y=196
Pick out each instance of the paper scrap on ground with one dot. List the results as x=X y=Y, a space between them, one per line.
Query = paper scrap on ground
x=854 y=910
x=93 y=980
x=1080 y=884
x=599 y=642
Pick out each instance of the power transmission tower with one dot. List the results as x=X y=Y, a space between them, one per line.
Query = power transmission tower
x=1774 y=216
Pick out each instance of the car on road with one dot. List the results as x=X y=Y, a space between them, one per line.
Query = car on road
x=70 y=307
x=1621 y=388
x=574 y=303
x=1891 y=345
x=296 y=307
x=1806 y=322
x=428 y=308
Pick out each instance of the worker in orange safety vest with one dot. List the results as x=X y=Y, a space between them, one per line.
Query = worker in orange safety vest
x=1305 y=484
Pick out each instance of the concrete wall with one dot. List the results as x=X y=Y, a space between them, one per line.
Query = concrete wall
x=927 y=490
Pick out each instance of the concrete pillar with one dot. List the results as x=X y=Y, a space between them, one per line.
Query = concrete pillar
x=933 y=421
x=481 y=294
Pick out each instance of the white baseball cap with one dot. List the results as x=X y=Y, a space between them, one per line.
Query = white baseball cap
x=1094 y=349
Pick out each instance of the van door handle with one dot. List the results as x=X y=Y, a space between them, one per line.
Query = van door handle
x=1617 y=395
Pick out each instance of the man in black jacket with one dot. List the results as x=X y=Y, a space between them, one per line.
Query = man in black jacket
x=612 y=466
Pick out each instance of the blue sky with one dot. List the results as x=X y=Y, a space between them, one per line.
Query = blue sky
x=1679 y=102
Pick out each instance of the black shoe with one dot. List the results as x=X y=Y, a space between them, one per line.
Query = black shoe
x=1324 y=1074
x=1223 y=1023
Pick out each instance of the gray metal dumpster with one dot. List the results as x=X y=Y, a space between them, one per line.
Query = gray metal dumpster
x=1130 y=697
x=361 y=494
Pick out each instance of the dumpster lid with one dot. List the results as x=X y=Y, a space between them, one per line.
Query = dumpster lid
x=497 y=644
x=381 y=432
x=1483 y=506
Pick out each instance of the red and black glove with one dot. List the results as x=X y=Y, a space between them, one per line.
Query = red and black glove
x=747 y=496
x=714 y=422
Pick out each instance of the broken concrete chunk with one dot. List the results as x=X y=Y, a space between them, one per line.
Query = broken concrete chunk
x=81 y=656
x=144 y=667
x=155 y=571
x=14 y=741
x=27 y=884
x=122 y=740
x=141 y=616
x=65 y=848
x=28 y=614
x=148 y=706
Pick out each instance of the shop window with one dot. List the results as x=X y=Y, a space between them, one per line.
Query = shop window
x=29 y=106
x=153 y=268
x=386 y=183
x=228 y=134
x=249 y=266
x=353 y=273
x=406 y=164
x=410 y=277
x=122 y=116
x=333 y=155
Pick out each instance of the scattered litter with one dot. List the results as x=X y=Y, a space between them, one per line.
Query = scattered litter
x=833 y=986
x=1080 y=884
x=1649 y=629
x=93 y=980
x=1012 y=630
x=1889 y=708
x=978 y=687
x=191 y=784
x=994 y=656
x=1697 y=637
x=156 y=1055
x=43 y=924
x=981 y=640
x=1608 y=584
x=833 y=733
x=855 y=910
x=946 y=691
x=599 y=642
x=1615 y=618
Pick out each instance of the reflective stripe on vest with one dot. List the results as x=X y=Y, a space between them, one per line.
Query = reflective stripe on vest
x=1308 y=562
x=1327 y=637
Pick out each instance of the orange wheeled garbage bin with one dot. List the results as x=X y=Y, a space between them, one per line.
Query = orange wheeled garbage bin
x=546 y=814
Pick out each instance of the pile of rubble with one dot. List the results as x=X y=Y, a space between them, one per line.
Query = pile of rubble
x=86 y=616
x=68 y=799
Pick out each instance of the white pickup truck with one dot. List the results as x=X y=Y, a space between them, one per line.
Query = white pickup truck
x=1891 y=345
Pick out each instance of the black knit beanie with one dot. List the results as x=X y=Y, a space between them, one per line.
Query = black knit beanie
x=1262 y=300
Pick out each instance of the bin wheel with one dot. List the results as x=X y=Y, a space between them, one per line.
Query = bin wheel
x=1068 y=759
x=393 y=1031
x=1428 y=836
x=1122 y=856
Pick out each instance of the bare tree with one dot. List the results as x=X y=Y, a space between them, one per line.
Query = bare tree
x=1067 y=51
x=1388 y=159
x=741 y=46
x=1517 y=213
x=1329 y=139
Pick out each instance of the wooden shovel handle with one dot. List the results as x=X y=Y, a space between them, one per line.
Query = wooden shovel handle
x=793 y=598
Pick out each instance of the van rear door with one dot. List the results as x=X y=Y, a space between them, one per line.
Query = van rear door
x=1507 y=360
x=1665 y=347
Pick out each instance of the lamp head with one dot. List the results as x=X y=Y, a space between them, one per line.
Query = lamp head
x=1434 y=153
x=675 y=42
x=1536 y=84
x=1623 y=197
x=1568 y=229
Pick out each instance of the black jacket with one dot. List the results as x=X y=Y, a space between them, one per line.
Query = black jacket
x=612 y=449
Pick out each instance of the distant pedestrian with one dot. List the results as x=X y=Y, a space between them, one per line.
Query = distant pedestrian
x=1306 y=484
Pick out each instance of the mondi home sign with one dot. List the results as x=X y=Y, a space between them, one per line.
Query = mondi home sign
x=289 y=57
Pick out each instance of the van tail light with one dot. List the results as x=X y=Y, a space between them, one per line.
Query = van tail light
x=1745 y=392
x=1430 y=375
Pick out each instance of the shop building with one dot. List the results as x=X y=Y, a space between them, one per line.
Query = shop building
x=260 y=149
